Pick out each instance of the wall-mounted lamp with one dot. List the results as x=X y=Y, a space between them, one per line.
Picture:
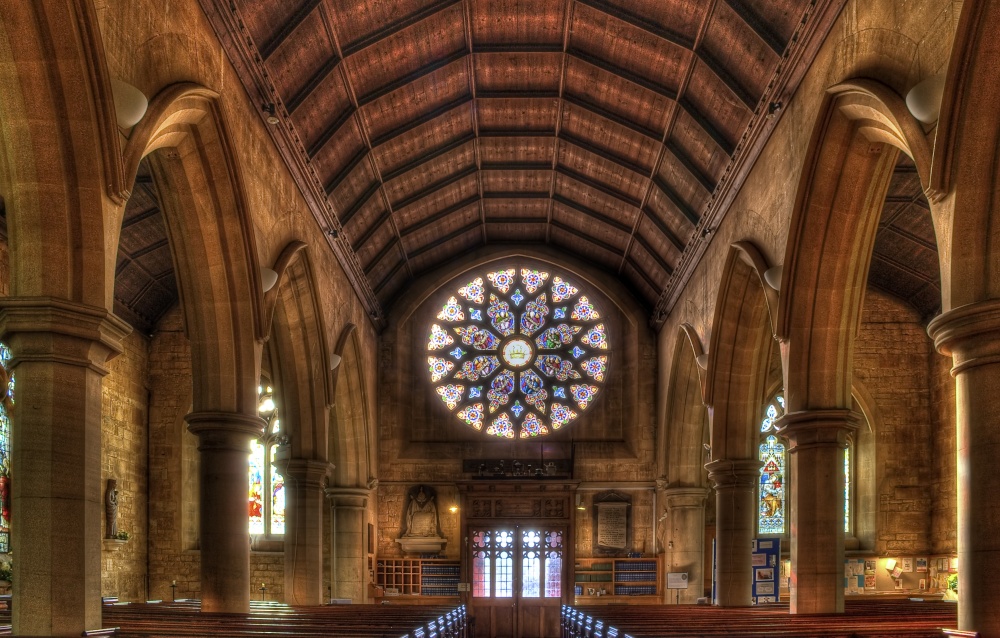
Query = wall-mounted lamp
x=772 y=276
x=702 y=361
x=267 y=279
x=269 y=113
x=335 y=360
x=130 y=103
x=890 y=564
x=579 y=503
x=453 y=509
x=924 y=100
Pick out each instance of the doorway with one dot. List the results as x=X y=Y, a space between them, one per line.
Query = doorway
x=517 y=579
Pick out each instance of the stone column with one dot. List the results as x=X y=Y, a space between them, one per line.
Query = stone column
x=685 y=540
x=735 y=504
x=349 y=550
x=971 y=335
x=817 y=440
x=304 y=509
x=224 y=443
x=59 y=350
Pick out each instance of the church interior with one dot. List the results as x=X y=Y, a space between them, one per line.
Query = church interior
x=517 y=305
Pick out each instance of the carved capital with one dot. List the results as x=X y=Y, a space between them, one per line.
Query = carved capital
x=348 y=497
x=734 y=474
x=685 y=497
x=970 y=334
x=224 y=430
x=818 y=428
x=307 y=471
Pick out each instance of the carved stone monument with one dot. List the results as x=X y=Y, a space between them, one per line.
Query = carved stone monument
x=422 y=534
x=111 y=510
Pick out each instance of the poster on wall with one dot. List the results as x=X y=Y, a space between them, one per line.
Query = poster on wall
x=764 y=556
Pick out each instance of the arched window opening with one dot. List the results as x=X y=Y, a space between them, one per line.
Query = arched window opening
x=772 y=494
x=267 y=486
x=6 y=407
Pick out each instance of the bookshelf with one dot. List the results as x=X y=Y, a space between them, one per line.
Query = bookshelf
x=417 y=576
x=620 y=580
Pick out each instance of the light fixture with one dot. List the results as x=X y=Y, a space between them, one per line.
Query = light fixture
x=890 y=564
x=453 y=509
x=773 y=108
x=270 y=115
x=130 y=103
x=772 y=276
x=579 y=503
x=268 y=278
x=924 y=100
x=702 y=361
x=335 y=360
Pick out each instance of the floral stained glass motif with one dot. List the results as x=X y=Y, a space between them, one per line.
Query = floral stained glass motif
x=584 y=310
x=439 y=368
x=266 y=498
x=583 y=394
x=562 y=290
x=451 y=311
x=6 y=406
x=502 y=427
x=771 y=517
x=439 y=338
x=277 y=497
x=533 y=279
x=502 y=279
x=256 y=501
x=451 y=394
x=596 y=337
x=473 y=291
x=511 y=346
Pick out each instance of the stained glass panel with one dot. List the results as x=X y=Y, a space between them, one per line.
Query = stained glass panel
x=277 y=497
x=266 y=509
x=553 y=564
x=531 y=564
x=771 y=517
x=6 y=404
x=847 y=490
x=256 y=500
x=518 y=352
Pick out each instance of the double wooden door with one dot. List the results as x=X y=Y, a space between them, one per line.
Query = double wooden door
x=517 y=579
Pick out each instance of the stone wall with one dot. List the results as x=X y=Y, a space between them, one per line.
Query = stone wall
x=124 y=435
x=944 y=510
x=891 y=361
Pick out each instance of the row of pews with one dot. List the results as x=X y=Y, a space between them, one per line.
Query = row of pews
x=861 y=619
x=183 y=619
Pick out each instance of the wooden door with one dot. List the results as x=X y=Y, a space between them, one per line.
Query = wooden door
x=517 y=580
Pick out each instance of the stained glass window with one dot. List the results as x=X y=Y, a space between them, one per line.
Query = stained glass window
x=267 y=486
x=502 y=341
x=6 y=406
x=774 y=480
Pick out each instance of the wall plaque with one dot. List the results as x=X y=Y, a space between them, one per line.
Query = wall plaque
x=612 y=523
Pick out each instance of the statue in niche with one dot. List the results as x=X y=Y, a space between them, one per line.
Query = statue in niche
x=111 y=509
x=421 y=521
x=421 y=516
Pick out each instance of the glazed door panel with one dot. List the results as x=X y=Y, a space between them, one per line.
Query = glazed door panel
x=517 y=575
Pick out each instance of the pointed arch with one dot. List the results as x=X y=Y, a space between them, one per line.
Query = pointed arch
x=351 y=440
x=739 y=354
x=862 y=127
x=680 y=451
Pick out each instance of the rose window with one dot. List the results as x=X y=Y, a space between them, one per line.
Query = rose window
x=518 y=353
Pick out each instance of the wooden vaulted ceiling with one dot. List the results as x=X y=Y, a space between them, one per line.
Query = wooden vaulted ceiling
x=615 y=130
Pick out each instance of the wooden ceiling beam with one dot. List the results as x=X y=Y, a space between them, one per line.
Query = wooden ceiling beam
x=516 y=220
x=409 y=78
x=638 y=22
x=584 y=236
x=438 y=216
x=359 y=203
x=433 y=114
x=515 y=195
x=727 y=78
x=908 y=236
x=612 y=117
x=370 y=231
x=327 y=134
x=663 y=228
x=396 y=27
x=320 y=76
x=643 y=274
x=389 y=245
x=591 y=213
x=667 y=268
x=676 y=200
x=447 y=147
x=614 y=69
x=516 y=47
x=447 y=238
x=268 y=48
x=721 y=141
x=909 y=270
x=685 y=161
x=591 y=183
x=388 y=277
x=333 y=184
x=760 y=27
x=435 y=187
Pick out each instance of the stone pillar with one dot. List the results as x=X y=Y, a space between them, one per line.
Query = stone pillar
x=685 y=540
x=735 y=505
x=817 y=440
x=971 y=335
x=304 y=509
x=59 y=350
x=224 y=443
x=349 y=550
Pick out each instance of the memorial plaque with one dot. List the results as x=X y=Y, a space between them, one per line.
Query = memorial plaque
x=612 y=525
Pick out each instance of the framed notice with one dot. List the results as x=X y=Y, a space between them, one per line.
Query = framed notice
x=677 y=580
x=764 y=557
x=612 y=524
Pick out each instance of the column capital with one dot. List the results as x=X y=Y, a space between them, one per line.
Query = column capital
x=734 y=473
x=685 y=497
x=57 y=330
x=308 y=471
x=348 y=497
x=818 y=428
x=969 y=333
x=224 y=430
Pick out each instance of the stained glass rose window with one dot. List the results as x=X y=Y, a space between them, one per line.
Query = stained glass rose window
x=518 y=353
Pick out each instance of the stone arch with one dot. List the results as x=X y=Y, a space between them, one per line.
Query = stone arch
x=739 y=354
x=351 y=449
x=680 y=450
x=211 y=239
x=862 y=126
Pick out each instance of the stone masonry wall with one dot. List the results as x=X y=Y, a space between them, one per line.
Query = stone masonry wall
x=124 y=410
x=890 y=361
x=944 y=512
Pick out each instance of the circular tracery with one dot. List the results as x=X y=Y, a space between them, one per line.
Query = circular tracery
x=520 y=356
